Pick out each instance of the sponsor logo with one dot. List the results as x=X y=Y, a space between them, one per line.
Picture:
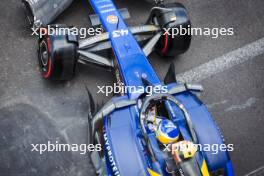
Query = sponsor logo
x=110 y=156
x=112 y=19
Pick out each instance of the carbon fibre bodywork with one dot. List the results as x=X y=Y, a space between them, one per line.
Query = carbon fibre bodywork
x=124 y=153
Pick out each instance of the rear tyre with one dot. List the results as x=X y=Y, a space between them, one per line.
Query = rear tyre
x=172 y=18
x=57 y=54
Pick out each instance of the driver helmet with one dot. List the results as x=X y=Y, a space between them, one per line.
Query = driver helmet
x=167 y=132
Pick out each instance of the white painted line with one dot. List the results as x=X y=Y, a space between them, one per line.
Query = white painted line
x=257 y=172
x=223 y=63
x=250 y=102
x=216 y=104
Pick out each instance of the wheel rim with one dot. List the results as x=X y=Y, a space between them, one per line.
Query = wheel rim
x=44 y=55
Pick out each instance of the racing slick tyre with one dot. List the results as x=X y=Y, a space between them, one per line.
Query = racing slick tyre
x=57 y=53
x=173 y=19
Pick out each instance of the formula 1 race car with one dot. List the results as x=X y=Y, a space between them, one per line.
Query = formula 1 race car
x=141 y=132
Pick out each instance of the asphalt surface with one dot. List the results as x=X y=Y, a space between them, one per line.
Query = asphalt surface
x=33 y=110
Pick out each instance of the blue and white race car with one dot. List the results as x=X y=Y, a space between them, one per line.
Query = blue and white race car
x=141 y=132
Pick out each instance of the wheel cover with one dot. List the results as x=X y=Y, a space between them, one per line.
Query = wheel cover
x=44 y=55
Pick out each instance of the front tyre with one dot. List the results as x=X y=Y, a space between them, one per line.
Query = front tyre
x=175 y=24
x=57 y=54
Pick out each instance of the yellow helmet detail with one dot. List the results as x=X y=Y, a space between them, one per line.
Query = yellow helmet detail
x=167 y=132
